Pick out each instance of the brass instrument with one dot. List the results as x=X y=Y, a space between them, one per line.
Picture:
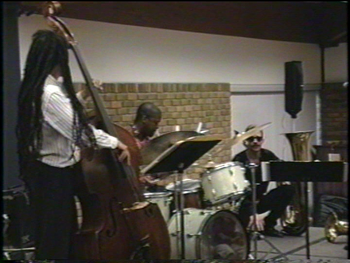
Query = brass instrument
x=300 y=144
x=293 y=221
x=301 y=150
x=335 y=227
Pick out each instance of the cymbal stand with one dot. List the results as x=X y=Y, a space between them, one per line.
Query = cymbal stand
x=255 y=234
x=179 y=207
x=307 y=234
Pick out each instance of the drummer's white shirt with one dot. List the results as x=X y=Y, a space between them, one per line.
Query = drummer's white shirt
x=57 y=137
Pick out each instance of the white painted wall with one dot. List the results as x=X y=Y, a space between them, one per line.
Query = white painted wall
x=120 y=53
x=258 y=109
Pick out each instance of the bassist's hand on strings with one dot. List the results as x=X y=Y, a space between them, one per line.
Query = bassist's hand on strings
x=123 y=153
x=84 y=91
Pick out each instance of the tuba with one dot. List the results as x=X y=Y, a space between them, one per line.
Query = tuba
x=293 y=220
x=300 y=145
x=335 y=227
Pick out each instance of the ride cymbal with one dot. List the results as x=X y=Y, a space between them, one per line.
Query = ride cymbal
x=161 y=143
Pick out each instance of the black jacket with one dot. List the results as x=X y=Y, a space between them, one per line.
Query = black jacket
x=266 y=155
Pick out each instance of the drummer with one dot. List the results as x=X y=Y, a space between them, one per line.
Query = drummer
x=147 y=119
x=275 y=201
x=145 y=125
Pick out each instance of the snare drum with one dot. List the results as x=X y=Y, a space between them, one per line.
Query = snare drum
x=224 y=182
x=191 y=199
x=208 y=235
x=187 y=185
x=191 y=191
x=163 y=200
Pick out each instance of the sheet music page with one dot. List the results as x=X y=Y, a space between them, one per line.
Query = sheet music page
x=265 y=169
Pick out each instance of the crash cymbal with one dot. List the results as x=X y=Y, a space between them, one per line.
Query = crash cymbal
x=161 y=143
x=240 y=137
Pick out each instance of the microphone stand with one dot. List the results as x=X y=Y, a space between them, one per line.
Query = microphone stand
x=255 y=234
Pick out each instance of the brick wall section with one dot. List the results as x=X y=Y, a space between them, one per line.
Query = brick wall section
x=183 y=104
x=334 y=113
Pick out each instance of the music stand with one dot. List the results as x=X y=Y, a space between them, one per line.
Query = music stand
x=178 y=158
x=304 y=172
x=256 y=235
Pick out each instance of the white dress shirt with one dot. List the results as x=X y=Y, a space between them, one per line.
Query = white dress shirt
x=58 y=147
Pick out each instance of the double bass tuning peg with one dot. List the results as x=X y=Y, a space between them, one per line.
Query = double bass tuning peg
x=97 y=84
x=51 y=8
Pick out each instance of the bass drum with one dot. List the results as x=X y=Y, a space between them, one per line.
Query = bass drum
x=209 y=235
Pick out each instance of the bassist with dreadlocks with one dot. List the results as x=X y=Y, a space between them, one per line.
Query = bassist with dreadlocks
x=52 y=129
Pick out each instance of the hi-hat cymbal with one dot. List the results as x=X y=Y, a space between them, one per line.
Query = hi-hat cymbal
x=161 y=143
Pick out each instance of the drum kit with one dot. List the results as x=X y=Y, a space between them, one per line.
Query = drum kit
x=201 y=214
x=211 y=228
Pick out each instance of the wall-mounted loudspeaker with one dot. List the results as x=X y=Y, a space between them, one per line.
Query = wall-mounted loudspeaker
x=293 y=87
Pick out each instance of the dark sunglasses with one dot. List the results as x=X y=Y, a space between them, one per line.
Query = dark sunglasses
x=258 y=138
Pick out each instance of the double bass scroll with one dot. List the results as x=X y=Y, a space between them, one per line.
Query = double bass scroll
x=118 y=223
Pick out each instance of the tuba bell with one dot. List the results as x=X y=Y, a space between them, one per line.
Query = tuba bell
x=335 y=227
x=300 y=145
x=293 y=220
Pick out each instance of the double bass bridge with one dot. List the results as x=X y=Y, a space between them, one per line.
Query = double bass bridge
x=136 y=206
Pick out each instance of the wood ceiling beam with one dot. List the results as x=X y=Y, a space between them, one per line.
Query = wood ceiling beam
x=305 y=22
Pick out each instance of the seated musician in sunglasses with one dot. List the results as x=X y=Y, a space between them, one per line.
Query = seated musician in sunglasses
x=275 y=201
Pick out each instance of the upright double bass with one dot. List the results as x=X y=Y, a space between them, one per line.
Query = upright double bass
x=118 y=223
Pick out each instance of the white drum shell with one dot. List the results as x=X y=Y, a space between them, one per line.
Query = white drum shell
x=224 y=181
x=163 y=200
x=194 y=221
x=198 y=224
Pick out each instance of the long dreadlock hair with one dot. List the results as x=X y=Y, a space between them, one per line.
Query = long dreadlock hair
x=47 y=51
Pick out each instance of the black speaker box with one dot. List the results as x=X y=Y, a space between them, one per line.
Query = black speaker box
x=293 y=87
